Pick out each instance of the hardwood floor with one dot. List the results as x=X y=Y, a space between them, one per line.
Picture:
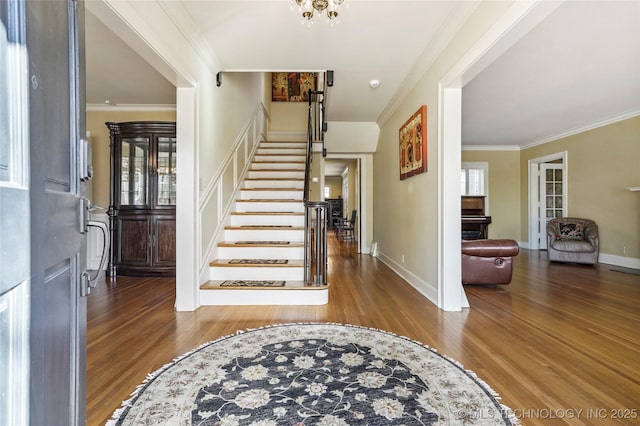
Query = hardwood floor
x=561 y=344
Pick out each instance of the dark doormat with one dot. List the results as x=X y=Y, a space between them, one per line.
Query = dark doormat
x=263 y=242
x=250 y=283
x=259 y=261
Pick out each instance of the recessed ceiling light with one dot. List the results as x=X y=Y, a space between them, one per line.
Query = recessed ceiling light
x=374 y=84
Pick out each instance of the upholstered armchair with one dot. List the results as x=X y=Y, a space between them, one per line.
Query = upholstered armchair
x=572 y=239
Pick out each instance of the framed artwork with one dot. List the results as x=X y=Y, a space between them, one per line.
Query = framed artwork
x=292 y=86
x=413 y=144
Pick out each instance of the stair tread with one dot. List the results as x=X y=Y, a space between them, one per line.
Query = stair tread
x=281 y=147
x=271 y=189
x=277 y=162
x=271 y=200
x=276 y=170
x=279 y=154
x=297 y=285
x=268 y=213
x=288 y=285
x=275 y=178
x=261 y=244
x=258 y=263
x=304 y=142
x=266 y=227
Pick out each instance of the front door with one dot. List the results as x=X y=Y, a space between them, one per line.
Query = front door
x=42 y=69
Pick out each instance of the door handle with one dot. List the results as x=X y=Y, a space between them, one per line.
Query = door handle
x=93 y=282
x=85 y=166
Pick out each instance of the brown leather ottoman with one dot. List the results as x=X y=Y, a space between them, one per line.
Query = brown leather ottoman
x=488 y=261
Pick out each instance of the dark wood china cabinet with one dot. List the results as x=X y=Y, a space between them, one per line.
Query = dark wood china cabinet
x=142 y=208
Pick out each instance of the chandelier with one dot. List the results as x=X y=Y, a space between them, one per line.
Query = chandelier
x=310 y=7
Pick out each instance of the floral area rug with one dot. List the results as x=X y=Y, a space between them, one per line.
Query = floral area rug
x=313 y=374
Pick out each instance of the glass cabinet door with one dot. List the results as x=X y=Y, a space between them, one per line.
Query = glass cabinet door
x=166 y=182
x=134 y=159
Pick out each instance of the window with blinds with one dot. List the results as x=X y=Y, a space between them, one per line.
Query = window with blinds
x=474 y=179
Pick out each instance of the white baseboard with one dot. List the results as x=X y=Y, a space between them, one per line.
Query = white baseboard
x=609 y=259
x=426 y=289
x=625 y=262
x=522 y=244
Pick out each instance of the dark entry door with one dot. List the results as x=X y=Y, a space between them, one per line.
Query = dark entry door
x=55 y=33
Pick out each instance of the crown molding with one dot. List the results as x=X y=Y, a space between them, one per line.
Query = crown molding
x=490 y=148
x=183 y=21
x=575 y=131
x=131 y=107
x=585 y=128
x=430 y=54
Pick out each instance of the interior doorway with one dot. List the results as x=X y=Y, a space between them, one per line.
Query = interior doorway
x=547 y=195
x=342 y=179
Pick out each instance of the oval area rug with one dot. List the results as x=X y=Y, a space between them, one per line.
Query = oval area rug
x=313 y=374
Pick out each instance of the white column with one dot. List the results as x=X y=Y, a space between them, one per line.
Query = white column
x=187 y=276
x=451 y=295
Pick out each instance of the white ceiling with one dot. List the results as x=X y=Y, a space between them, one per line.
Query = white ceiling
x=117 y=75
x=580 y=66
x=577 y=68
x=335 y=167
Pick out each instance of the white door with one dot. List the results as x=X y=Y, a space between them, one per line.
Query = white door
x=552 y=197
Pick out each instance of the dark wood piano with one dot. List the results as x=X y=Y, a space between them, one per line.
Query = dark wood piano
x=474 y=222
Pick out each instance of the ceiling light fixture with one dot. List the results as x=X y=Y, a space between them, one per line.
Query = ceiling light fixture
x=309 y=7
x=374 y=84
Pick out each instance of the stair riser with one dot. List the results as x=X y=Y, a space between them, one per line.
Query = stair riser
x=297 y=166
x=270 y=194
x=260 y=273
x=266 y=206
x=284 y=144
x=250 y=297
x=263 y=235
x=260 y=253
x=280 y=158
x=239 y=220
x=281 y=151
x=269 y=174
x=298 y=184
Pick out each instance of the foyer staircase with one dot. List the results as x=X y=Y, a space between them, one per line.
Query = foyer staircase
x=261 y=260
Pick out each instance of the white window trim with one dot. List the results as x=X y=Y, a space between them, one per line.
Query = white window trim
x=479 y=165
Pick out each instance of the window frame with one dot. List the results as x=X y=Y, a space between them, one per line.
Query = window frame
x=477 y=165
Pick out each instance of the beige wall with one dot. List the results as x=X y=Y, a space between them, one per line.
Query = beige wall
x=289 y=116
x=100 y=145
x=504 y=190
x=407 y=211
x=316 y=193
x=601 y=163
x=236 y=102
x=335 y=183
